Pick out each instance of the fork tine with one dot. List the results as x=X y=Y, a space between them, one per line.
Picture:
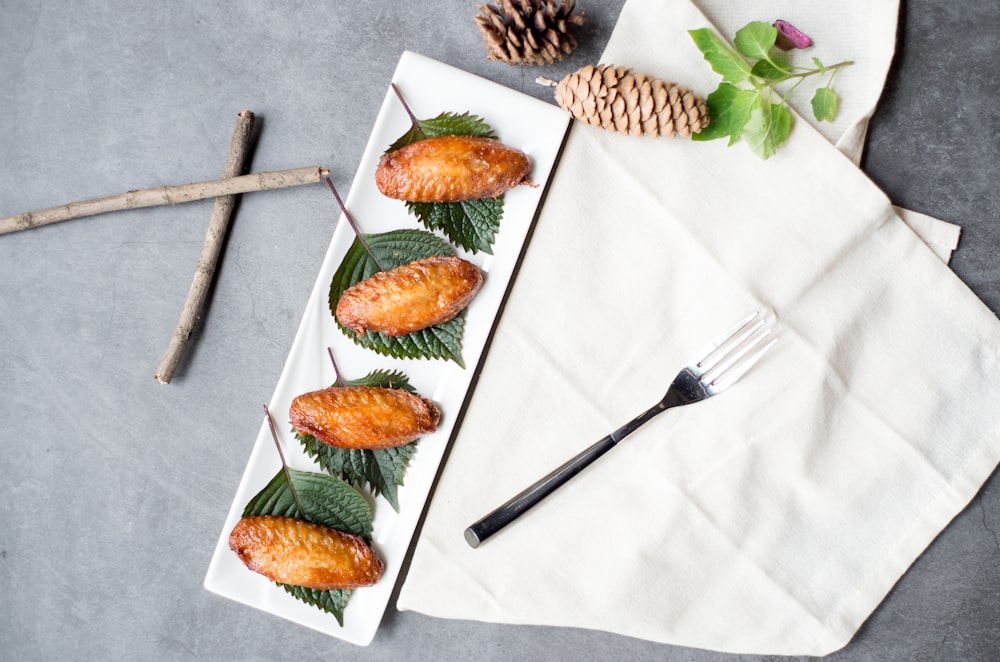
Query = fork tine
x=728 y=347
x=701 y=359
x=738 y=364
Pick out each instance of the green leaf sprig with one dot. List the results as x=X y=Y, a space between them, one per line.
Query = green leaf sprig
x=382 y=471
x=471 y=224
x=746 y=105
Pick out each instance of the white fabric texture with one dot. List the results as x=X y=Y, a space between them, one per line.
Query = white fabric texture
x=773 y=518
x=860 y=31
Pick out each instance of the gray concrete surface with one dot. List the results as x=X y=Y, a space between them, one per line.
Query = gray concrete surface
x=113 y=488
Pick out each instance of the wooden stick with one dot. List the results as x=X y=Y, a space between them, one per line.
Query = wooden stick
x=166 y=195
x=204 y=270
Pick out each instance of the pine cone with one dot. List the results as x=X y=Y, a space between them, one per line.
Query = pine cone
x=529 y=31
x=618 y=99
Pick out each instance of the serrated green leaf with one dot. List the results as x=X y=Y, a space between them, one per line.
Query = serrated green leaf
x=724 y=60
x=819 y=65
x=773 y=70
x=325 y=500
x=824 y=104
x=755 y=39
x=382 y=471
x=383 y=379
x=472 y=224
x=443 y=341
x=445 y=124
x=768 y=126
x=729 y=107
x=333 y=601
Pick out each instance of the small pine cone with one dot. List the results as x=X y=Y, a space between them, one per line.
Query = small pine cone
x=618 y=99
x=529 y=31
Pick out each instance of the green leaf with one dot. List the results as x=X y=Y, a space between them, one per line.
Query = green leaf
x=442 y=341
x=781 y=126
x=824 y=104
x=383 y=379
x=773 y=70
x=723 y=59
x=332 y=601
x=382 y=471
x=768 y=126
x=743 y=113
x=472 y=224
x=445 y=124
x=729 y=107
x=755 y=39
x=325 y=500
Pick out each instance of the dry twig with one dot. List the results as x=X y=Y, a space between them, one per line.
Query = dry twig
x=165 y=195
x=208 y=259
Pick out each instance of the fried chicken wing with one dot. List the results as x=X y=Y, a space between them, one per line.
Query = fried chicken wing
x=293 y=551
x=366 y=417
x=410 y=297
x=451 y=169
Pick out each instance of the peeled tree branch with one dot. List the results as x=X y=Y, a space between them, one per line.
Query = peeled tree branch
x=165 y=195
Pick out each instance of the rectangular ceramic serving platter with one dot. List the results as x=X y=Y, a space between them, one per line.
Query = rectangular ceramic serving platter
x=430 y=88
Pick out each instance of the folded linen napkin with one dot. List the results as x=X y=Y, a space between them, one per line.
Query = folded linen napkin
x=771 y=519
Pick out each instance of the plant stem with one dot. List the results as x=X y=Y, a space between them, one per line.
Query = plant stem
x=801 y=77
x=336 y=371
x=284 y=465
x=832 y=76
x=413 y=118
x=812 y=72
x=354 y=226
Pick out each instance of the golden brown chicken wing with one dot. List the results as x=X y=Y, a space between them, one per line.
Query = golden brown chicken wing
x=367 y=417
x=451 y=169
x=410 y=297
x=293 y=551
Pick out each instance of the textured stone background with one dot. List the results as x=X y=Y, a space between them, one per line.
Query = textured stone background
x=113 y=488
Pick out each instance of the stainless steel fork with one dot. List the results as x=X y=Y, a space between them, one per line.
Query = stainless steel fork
x=714 y=369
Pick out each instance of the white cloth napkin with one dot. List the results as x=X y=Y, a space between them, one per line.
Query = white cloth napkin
x=775 y=517
x=862 y=31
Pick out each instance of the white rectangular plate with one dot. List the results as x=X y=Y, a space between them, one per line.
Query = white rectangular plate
x=430 y=88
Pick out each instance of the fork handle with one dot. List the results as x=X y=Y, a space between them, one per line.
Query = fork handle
x=514 y=508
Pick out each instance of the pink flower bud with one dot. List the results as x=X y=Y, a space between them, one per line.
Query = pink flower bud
x=790 y=37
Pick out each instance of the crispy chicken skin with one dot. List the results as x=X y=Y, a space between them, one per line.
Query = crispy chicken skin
x=293 y=551
x=367 y=417
x=410 y=297
x=451 y=169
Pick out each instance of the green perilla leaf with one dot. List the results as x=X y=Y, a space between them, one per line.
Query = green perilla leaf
x=472 y=224
x=325 y=500
x=442 y=341
x=445 y=124
x=382 y=471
